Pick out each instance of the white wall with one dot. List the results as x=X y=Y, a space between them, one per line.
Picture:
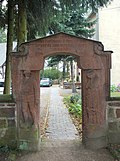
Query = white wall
x=109 y=35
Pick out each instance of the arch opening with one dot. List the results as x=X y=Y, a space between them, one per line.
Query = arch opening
x=61 y=86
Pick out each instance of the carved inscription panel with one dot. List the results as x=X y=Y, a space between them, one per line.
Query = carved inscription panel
x=63 y=43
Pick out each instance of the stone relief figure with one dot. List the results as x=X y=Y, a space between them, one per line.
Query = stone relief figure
x=93 y=95
x=92 y=79
x=98 y=48
x=29 y=99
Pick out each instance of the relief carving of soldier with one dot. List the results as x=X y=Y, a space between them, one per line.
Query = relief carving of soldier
x=93 y=97
x=29 y=99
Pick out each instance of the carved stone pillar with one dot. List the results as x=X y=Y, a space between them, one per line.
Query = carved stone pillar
x=26 y=92
x=29 y=111
x=94 y=108
x=105 y=57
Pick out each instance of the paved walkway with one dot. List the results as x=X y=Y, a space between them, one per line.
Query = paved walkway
x=60 y=125
x=62 y=142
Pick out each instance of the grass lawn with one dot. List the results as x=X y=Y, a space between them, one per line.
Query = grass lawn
x=115 y=94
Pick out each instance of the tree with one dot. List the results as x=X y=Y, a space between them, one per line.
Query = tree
x=51 y=73
x=55 y=60
x=36 y=16
x=2 y=16
x=3 y=36
x=22 y=18
x=21 y=35
x=73 y=22
x=41 y=13
x=72 y=76
x=9 y=47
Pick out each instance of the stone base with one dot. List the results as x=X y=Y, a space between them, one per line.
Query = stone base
x=29 y=139
x=95 y=143
x=95 y=136
x=29 y=145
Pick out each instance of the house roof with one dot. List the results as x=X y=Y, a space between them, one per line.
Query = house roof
x=3 y=52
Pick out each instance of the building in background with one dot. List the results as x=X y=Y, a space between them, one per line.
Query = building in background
x=108 y=32
x=3 y=58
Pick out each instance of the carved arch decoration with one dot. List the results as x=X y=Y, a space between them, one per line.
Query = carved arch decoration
x=95 y=64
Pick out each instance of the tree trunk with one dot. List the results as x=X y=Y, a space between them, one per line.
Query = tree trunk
x=22 y=29
x=64 y=66
x=67 y=67
x=72 y=77
x=9 y=47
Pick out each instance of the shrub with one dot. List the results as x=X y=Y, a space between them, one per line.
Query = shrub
x=51 y=73
x=74 y=105
x=74 y=98
x=75 y=109
x=113 y=88
x=118 y=87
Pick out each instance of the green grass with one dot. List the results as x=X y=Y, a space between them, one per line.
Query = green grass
x=115 y=94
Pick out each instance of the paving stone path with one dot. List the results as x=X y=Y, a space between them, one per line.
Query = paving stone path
x=60 y=125
x=62 y=142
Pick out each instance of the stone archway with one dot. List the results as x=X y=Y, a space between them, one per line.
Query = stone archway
x=95 y=65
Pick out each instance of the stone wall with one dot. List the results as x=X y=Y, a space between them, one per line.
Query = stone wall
x=7 y=124
x=113 y=118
